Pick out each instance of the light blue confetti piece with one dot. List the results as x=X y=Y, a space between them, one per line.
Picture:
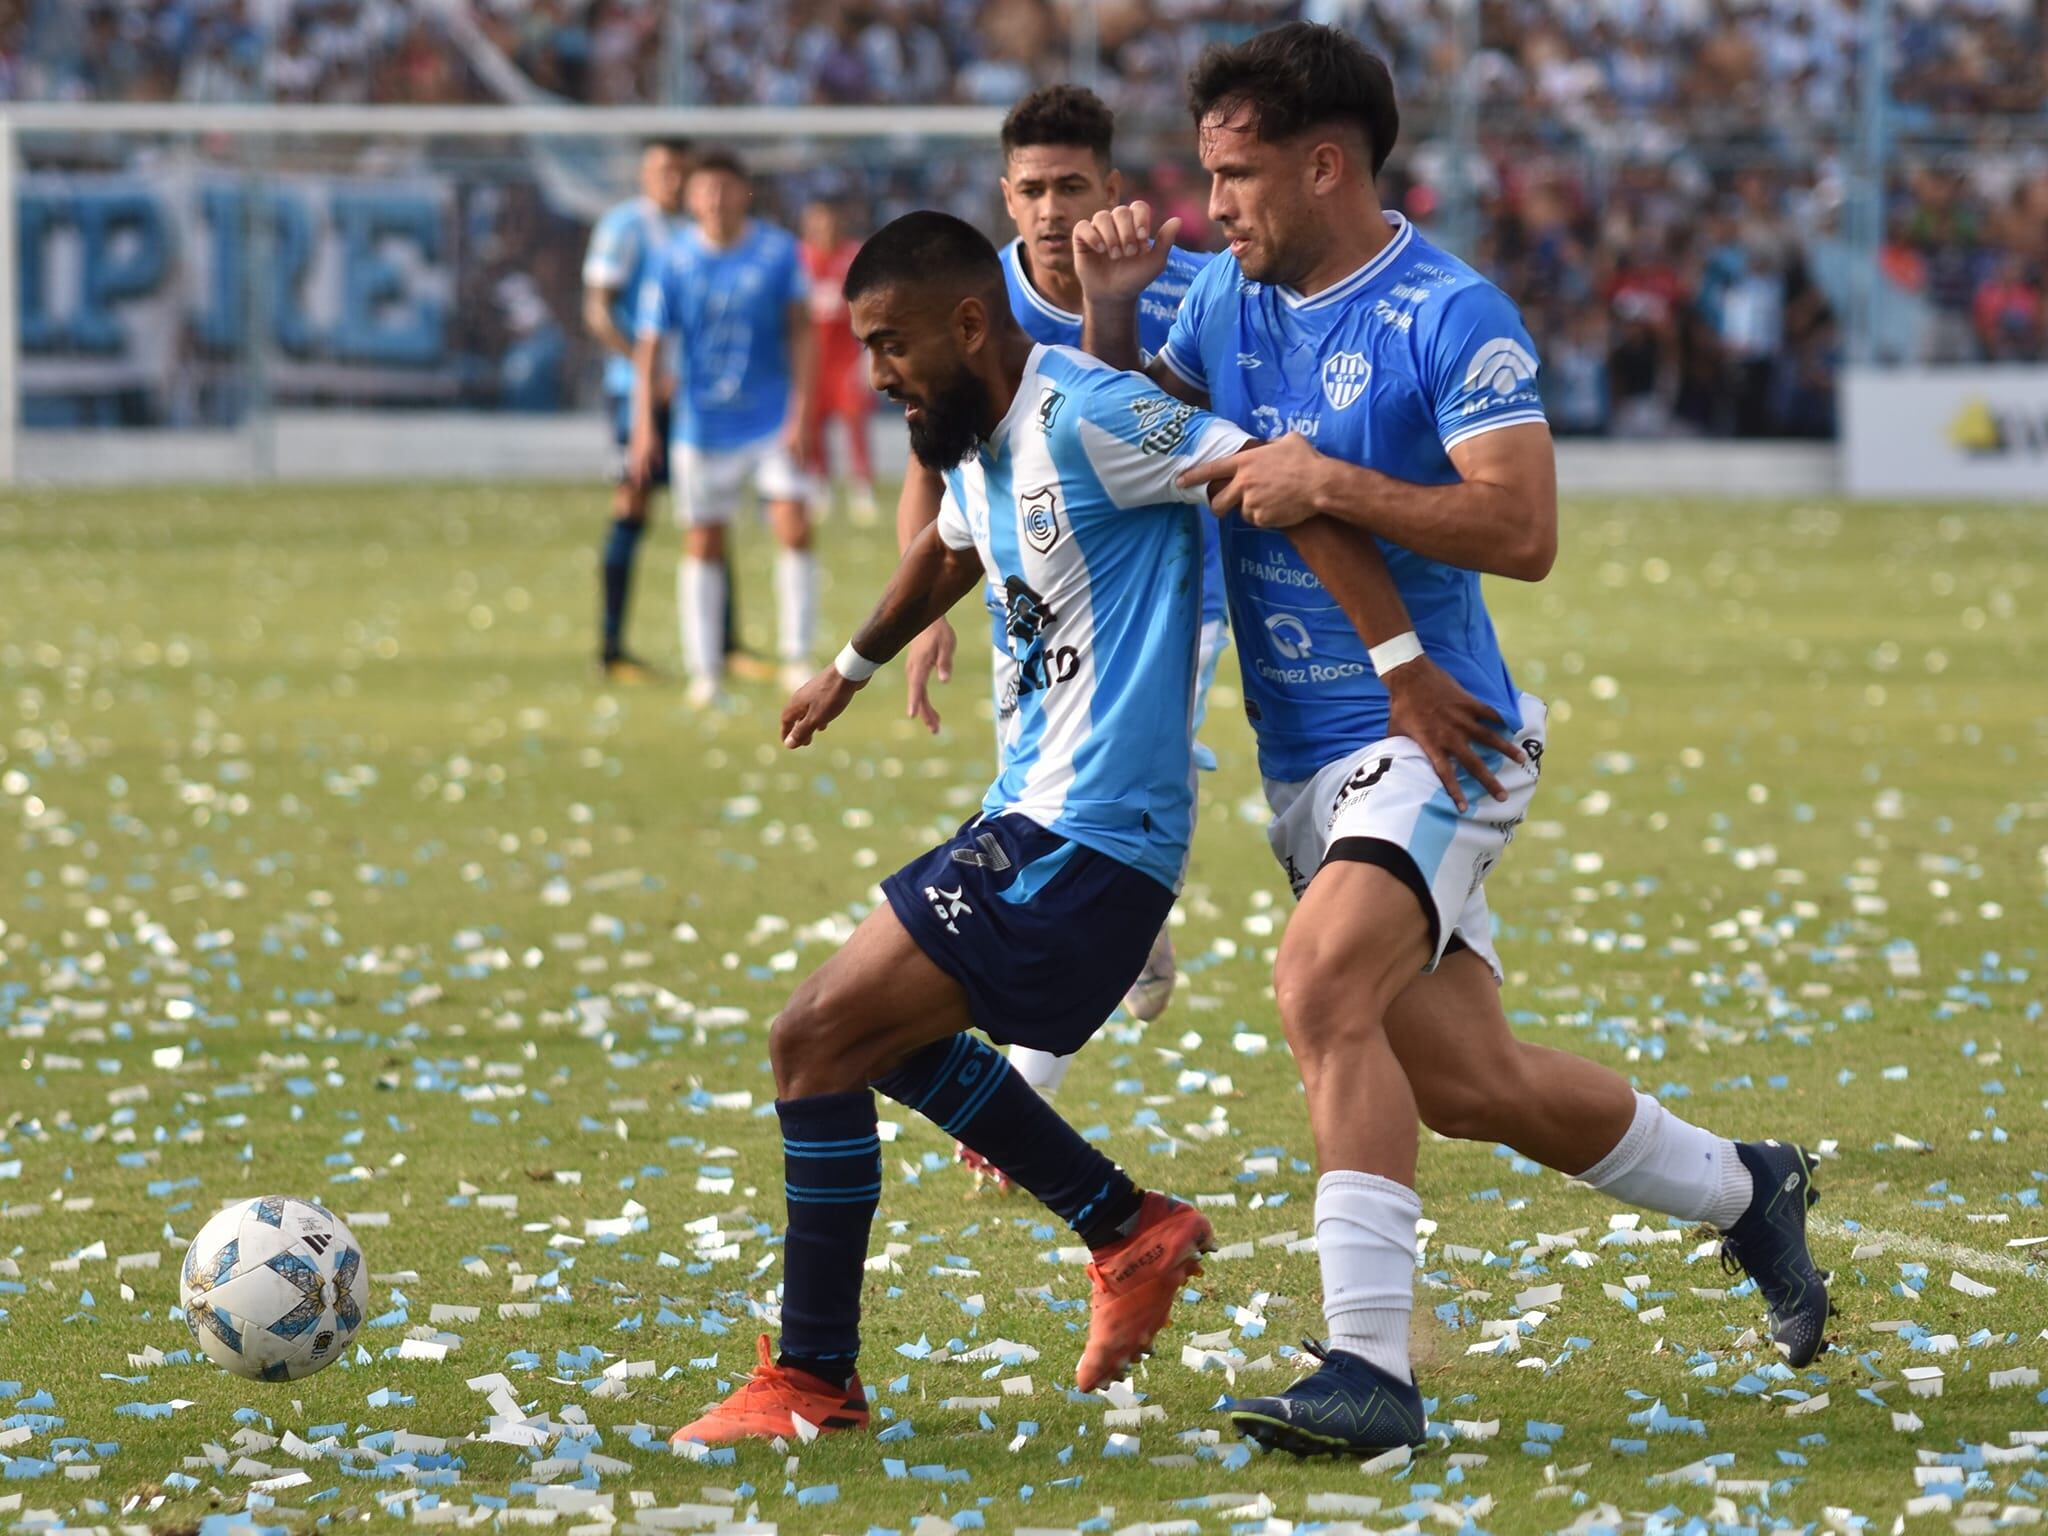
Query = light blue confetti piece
x=821 y=1493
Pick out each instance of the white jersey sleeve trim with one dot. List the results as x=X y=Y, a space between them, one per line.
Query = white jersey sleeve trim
x=1168 y=356
x=953 y=530
x=1494 y=424
x=1133 y=478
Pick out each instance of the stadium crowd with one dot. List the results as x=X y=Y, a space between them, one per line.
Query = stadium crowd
x=1661 y=181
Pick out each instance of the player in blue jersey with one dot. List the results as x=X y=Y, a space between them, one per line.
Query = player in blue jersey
x=1057 y=171
x=624 y=246
x=1033 y=918
x=732 y=292
x=1397 y=389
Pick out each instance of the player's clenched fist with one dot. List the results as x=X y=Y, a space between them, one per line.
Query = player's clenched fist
x=1118 y=254
x=816 y=705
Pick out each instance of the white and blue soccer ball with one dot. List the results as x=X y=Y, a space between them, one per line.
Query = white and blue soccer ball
x=274 y=1288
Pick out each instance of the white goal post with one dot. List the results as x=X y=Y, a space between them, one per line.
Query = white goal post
x=22 y=122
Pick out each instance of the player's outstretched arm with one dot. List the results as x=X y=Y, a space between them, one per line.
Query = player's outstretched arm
x=931 y=653
x=932 y=577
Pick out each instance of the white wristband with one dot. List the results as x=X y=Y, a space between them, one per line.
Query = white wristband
x=1397 y=652
x=856 y=668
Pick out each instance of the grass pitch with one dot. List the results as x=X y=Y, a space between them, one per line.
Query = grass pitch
x=329 y=868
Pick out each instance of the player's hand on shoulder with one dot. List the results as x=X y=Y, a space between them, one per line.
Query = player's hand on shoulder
x=1269 y=485
x=929 y=655
x=1426 y=704
x=816 y=705
x=1118 y=254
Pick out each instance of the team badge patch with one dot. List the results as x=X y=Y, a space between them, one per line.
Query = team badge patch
x=1502 y=365
x=1040 y=512
x=1344 y=379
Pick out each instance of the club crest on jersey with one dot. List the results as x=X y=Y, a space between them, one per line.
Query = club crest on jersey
x=1040 y=512
x=1344 y=379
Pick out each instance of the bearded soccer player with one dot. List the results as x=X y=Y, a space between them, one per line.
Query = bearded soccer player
x=1057 y=171
x=1029 y=923
x=1397 y=389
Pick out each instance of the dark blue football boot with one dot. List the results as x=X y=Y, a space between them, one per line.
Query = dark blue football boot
x=1769 y=1244
x=1345 y=1407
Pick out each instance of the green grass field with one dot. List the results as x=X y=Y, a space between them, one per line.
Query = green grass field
x=328 y=868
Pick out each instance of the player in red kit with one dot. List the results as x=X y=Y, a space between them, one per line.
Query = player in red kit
x=841 y=389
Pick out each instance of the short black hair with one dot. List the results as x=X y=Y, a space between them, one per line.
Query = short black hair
x=1297 y=77
x=720 y=159
x=1060 y=114
x=679 y=147
x=923 y=247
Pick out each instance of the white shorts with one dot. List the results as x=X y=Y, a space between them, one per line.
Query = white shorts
x=709 y=481
x=1385 y=805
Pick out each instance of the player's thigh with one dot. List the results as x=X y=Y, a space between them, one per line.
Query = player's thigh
x=875 y=1001
x=779 y=481
x=708 y=482
x=1355 y=940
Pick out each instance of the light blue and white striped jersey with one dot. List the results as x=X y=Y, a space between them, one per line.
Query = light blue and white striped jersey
x=624 y=246
x=1072 y=506
x=1045 y=321
x=1393 y=367
x=730 y=312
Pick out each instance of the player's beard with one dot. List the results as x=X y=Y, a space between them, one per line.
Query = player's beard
x=949 y=425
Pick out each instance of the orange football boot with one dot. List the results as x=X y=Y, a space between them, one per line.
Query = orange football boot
x=1135 y=1282
x=984 y=1171
x=768 y=1404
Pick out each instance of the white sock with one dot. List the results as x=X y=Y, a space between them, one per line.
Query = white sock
x=1665 y=1164
x=1041 y=1069
x=1365 y=1240
x=700 y=601
x=796 y=598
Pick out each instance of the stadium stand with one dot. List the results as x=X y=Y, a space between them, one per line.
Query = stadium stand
x=1662 y=180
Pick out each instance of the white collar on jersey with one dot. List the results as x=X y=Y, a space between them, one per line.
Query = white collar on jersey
x=1026 y=399
x=1403 y=233
x=1015 y=252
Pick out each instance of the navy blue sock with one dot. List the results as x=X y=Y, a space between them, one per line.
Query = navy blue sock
x=967 y=1089
x=618 y=579
x=832 y=1176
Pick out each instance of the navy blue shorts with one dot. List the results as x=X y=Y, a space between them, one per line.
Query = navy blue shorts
x=621 y=407
x=1045 y=936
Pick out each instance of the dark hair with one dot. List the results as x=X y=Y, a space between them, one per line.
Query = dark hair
x=682 y=148
x=720 y=159
x=1297 y=77
x=926 y=246
x=1060 y=114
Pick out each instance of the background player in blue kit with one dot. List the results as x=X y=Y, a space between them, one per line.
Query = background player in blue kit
x=1398 y=389
x=624 y=246
x=1032 y=919
x=731 y=290
x=1057 y=172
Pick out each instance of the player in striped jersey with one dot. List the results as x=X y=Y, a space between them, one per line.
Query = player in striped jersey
x=1034 y=917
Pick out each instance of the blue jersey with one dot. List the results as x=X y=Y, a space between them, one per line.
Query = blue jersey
x=1045 y=321
x=1391 y=368
x=1072 y=505
x=624 y=247
x=729 y=311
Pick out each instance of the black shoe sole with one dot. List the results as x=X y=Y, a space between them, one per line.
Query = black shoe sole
x=1279 y=1435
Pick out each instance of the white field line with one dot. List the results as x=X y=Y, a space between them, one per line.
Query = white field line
x=1909 y=1246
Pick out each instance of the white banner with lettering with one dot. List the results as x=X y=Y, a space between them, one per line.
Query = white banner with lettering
x=1946 y=432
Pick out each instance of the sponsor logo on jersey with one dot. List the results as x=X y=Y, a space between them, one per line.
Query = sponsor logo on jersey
x=1049 y=409
x=1502 y=366
x=1247 y=360
x=1290 y=636
x=1386 y=314
x=986 y=853
x=1162 y=422
x=1344 y=379
x=1025 y=612
x=1040 y=511
x=1042 y=668
x=1270 y=424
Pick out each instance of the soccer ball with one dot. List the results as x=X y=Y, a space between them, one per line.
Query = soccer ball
x=274 y=1288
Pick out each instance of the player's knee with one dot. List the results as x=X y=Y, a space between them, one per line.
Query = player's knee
x=798 y=1039
x=1329 y=1001
x=705 y=542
